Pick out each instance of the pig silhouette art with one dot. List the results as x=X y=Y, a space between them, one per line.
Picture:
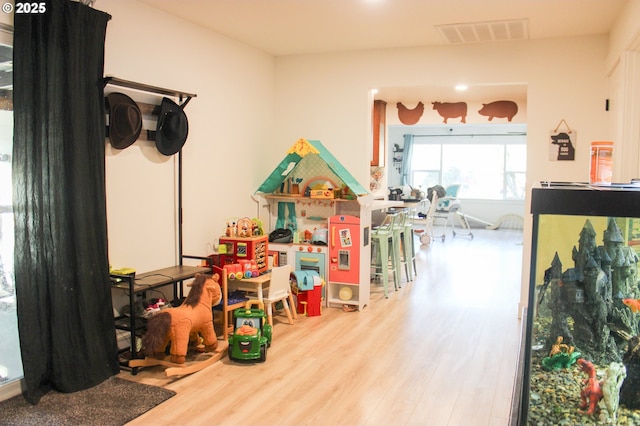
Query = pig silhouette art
x=500 y=109
x=566 y=150
x=451 y=110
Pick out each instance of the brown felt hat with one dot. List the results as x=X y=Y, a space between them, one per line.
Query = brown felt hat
x=125 y=120
x=172 y=128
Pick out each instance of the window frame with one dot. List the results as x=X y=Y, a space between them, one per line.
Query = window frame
x=502 y=136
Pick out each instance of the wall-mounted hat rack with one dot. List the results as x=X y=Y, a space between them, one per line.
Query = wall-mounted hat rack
x=146 y=108
x=183 y=96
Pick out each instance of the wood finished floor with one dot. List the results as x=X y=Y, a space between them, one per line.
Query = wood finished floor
x=440 y=351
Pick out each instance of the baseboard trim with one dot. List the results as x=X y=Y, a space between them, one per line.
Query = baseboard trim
x=12 y=389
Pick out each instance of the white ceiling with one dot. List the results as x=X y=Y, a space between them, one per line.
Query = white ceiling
x=293 y=27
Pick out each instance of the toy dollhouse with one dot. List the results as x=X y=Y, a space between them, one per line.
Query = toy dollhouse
x=329 y=214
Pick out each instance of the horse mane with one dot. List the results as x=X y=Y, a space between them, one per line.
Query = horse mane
x=193 y=298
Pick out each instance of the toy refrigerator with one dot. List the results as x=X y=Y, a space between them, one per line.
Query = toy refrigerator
x=345 y=270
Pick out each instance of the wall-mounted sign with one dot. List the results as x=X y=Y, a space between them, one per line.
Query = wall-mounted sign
x=562 y=146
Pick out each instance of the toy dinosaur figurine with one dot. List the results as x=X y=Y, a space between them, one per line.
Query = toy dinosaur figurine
x=560 y=356
x=559 y=347
x=591 y=394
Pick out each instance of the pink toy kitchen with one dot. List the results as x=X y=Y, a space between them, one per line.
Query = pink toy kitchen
x=318 y=218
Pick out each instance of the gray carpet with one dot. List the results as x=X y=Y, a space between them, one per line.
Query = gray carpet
x=113 y=402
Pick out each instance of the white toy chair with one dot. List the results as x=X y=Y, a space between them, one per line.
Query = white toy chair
x=280 y=291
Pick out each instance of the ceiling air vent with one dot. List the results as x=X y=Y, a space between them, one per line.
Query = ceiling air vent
x=482 y=32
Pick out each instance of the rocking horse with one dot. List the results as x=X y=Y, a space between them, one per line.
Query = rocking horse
x=190 y=324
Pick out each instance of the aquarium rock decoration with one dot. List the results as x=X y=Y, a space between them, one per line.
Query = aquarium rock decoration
x=611 y=384
x=630 y=390
x=585 y=301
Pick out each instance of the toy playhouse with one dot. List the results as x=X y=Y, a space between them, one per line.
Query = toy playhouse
x=328 y=214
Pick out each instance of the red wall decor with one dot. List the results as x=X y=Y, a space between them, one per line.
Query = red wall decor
x=449 y=110
x=500 y=109
x=410 y=116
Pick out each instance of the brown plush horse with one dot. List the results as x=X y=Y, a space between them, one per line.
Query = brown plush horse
x=186 y=323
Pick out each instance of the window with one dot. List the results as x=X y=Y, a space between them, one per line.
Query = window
x=488 y=166
x=10 y=360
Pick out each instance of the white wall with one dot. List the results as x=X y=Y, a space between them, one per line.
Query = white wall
x=252 y=107
x=230 y=131
x=327 y=97
x=623 y=68
x=565 y=78
x=625 y=34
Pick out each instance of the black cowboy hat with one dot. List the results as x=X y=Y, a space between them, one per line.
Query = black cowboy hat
x=172 y=128
x=125 y=120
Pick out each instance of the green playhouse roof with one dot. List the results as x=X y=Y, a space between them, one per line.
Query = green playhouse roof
x=296 y=153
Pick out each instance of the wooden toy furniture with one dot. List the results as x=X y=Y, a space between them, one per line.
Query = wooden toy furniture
x=226 y=307
x=234 y=249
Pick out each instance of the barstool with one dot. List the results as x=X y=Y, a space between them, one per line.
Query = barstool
x=408 y=235
x=383 y=241
x=401 y=244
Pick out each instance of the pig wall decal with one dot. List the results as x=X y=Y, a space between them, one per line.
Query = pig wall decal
x=449 y=110
x=410 y=116
x=500 y=109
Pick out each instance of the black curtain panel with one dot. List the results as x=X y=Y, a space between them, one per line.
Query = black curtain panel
x=65 y=315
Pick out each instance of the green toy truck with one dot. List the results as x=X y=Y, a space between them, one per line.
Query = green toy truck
x=251 y=335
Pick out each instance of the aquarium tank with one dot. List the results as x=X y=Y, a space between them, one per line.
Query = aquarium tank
x=581 y=350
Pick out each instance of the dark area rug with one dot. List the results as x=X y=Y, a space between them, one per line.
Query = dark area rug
x=113 y=402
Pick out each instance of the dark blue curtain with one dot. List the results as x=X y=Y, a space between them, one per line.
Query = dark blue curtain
x=65 y=316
